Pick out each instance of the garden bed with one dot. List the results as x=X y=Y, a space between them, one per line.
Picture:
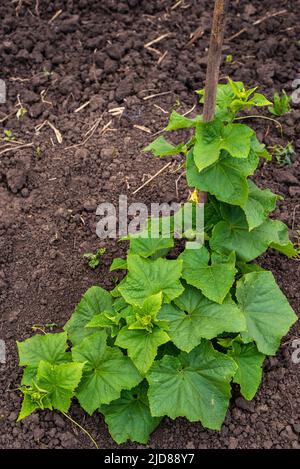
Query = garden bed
x=49 y=194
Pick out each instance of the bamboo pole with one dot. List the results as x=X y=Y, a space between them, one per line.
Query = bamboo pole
x=213 y=67
x=214 y=58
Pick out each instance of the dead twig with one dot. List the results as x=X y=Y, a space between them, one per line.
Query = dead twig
x=55 y=130
x=37 y=6
x=161 y=58
x=188 y=112
x=56 y=15
x=3 y=119
x=82 y=106
x=195 y=36
x=88 y=134
x=176 y=4
x=18 y=147
x=257 y=22
x=151 y=96
x=161 y=109
x=105 y=127
x=142 y=128
x=152 y=177
x=177 y=181
x=154 y=41
x=43 y=96
x=117 y=111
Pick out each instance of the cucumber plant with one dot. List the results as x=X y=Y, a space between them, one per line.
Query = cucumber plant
x=174 y=334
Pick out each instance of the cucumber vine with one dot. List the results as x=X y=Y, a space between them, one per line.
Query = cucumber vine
x=174 y=334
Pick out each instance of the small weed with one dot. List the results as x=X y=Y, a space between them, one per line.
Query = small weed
x=47 y=73
x=21 y=112
x=94 y=259
x=38 y=152
x=282 y=154
x=8 y=136
x=229 y=59
x=281 y=104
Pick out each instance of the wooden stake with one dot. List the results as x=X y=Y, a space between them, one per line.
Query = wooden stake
x=213 y=66
x=214 y=58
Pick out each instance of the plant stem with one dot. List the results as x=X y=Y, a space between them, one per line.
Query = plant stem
x=213 y=66
x=214 y=58
x=81 y=428
x=261 y=117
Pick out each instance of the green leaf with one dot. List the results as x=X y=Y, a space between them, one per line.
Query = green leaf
x=259 y=99
x=249 y=373
x=181 y=122
x=236 y=140
x=258 y=205
x=226 y=179
x=259 y=149
x=117 y=264
x=146 y=278
x=287 y=249
x=146 y=247
x=233 y=235
x=60 y=382
x=212 y=137
x=248 y=268
x=106 y=372
x=207 y=147
x=142 y=345
x=266 y=309
x=29 y=374
x=27 y=408
x=129 y=418
x=195 y=317
x=160 y=147
x=214 y=279
x=194 y=385
x=282 y=242
x=94 y=301
x=48 y=347
x=104 y=319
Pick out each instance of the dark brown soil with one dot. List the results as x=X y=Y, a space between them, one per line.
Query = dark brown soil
x=94 y=51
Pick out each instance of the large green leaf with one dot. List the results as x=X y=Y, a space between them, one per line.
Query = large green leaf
x=212 y=137
x=258 y=205
x=129 y=418
x=52 y=387
x=146 y=247
x=233 y=234
x=194 y=385
x=142 y=345
x=214 y=279
x=118 y=264
x=106 y=372
x=194 y=317
x=160 y=147
x=249 y=373
x=60 y=382
x=267 y=311
x=177 y=121
x=226 y=179
x=94 y=301
x=48 y=347
x=146 y=278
